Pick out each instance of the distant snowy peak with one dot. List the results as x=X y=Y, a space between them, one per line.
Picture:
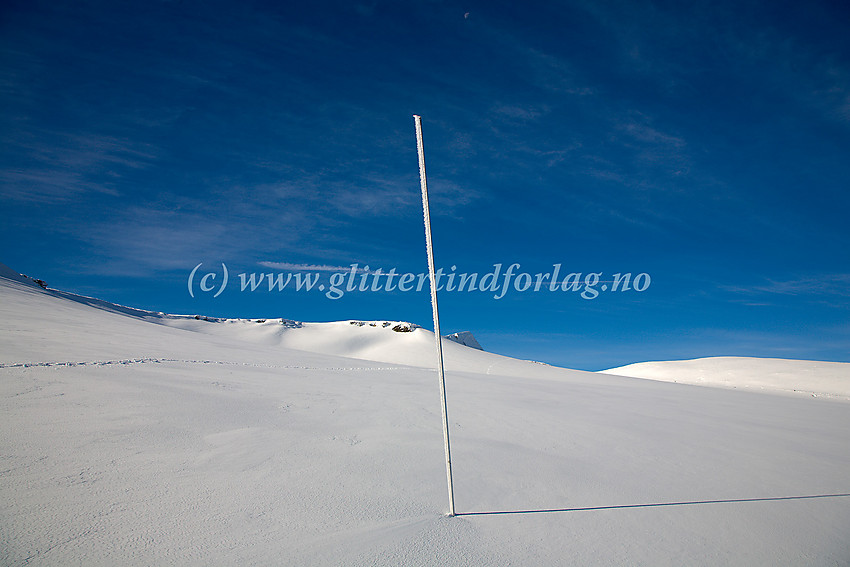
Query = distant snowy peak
x=464 y=338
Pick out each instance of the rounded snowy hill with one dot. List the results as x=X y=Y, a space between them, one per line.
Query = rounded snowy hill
x=798 y=377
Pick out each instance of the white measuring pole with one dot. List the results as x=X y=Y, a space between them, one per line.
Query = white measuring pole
x=430 y=249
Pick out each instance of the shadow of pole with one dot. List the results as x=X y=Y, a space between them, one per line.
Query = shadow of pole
x=652 y=505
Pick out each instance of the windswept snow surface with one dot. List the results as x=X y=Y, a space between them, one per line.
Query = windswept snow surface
x=801 y=377
x=125 y=442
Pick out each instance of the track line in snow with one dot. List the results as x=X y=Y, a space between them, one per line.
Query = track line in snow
x=129 y=361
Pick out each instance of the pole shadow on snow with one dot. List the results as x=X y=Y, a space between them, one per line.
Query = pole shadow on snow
x=653 y=505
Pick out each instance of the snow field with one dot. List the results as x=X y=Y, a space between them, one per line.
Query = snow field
x=133 y=443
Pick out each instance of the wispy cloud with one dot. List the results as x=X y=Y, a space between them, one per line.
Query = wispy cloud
x=826 y=284
x=291 y=267
x=553 y=73
x=521 y=112
x=57 y=166
x=145 y=240
x=832 y=290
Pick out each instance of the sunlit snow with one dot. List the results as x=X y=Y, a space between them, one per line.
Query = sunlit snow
x=132 y=438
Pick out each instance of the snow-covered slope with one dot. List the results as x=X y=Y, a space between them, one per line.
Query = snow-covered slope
x=805 y=377
x=125 y=442
x=386 y=341
x=396 y=342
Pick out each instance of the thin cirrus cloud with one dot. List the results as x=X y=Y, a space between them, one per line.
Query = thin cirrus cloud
x=56 y=166
x=826 y=284
x=291 y=267
x=807 y=286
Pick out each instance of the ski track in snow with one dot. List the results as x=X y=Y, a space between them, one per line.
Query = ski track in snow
x=129 y=361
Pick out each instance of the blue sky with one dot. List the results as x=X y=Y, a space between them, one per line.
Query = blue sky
x=703 y=143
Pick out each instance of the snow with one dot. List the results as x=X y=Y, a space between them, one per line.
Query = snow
x=141 y=439
x=801 y=377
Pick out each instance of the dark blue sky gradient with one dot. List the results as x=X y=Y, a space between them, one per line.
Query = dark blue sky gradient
x=705 y=144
